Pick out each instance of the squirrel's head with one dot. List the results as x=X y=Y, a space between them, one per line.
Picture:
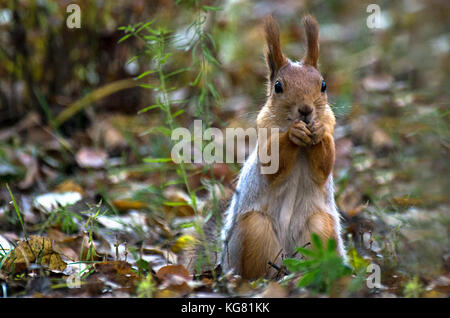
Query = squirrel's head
x=296 y=90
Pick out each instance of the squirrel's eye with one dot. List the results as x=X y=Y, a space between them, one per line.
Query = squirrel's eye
x=324 y=87
x=278 y=87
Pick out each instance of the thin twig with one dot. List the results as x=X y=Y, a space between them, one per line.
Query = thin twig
x=280 y=270
x=296 y=252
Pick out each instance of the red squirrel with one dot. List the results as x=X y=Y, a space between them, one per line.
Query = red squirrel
x=272 y=214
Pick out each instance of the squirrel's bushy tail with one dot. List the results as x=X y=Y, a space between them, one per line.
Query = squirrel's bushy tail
x=204 y=254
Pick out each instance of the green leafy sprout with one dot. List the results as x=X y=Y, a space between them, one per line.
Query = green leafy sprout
x=322 y=267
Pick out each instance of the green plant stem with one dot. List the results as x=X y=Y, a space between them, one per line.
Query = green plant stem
x=17 y=212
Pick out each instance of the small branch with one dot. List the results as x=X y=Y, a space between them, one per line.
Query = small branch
x=280 y=270
x=307 y=244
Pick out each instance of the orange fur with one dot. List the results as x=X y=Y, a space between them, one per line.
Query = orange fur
x=259 y=244
x=321 y=159
x=312 y=37
x=274 y=57
x=288 y=152
x=322 y=224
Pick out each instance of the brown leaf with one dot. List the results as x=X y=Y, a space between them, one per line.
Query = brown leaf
x=36 y=250
x=128 y=204
x=166 y=293
x=119 y=272
x=177 y=284
x=161 y=224
x=173 y=270
x=407 y=201
x=433 y=294
x=175 y=279
x=71 y=246
x=178 y=197
x=440 y=285
x=350 y=201
x=69 y=186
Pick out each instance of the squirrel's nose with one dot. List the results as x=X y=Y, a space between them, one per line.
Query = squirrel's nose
x=304 y=112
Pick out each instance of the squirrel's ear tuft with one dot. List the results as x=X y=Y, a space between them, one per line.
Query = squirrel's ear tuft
x=312 y=37
x=274 y=57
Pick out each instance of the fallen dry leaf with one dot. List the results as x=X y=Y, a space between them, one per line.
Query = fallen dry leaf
x=175 y=278
x=350 y=201
x=407 y=201
x=433 y=294
x=72 y=246
x=160 y=224
x=69 y=186
x=37 y=250
x=173 y=270
x=50 y=201
x=166 y=293
x=119 y=272
x=177 y=203
x=164 y=253
x=91 y=158
x=177 y=284
x=128 y=204
x=440 y=285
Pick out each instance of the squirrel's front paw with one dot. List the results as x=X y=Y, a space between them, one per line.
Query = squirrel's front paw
x=300 y=134
x=317 y=132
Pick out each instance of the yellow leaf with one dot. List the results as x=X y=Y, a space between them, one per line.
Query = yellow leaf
x=69 y=186
x=356 y=260
x=128 y=204
x=182 y=243
x=37 y=250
